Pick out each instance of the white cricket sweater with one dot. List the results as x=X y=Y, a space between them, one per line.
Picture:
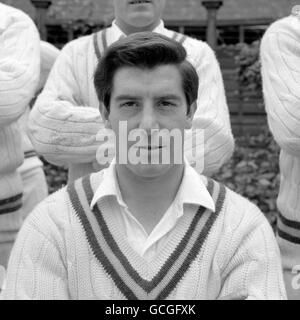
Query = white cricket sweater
x=49 y=53
x=66 y=251
x=19 y=74
x=280 y=57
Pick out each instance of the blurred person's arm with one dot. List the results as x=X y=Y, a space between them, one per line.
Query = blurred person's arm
x=37 y=268
x=19 y=63
x=212 y=112
x=62 y=128
x=250 y=261
x=280 y=57
x=49 y=54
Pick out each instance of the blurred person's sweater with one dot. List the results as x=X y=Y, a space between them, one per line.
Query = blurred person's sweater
x=280 y=57
x=35 y=187
x=19 y=74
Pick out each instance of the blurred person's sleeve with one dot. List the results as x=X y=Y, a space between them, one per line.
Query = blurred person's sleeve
x=19 y=64
x=280 y=59
x=62 y=128
x=249 y=258
x=212 y=115
x=49 y=54
x=37 y=268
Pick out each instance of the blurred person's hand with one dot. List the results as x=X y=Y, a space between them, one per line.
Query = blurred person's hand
x=241 y=295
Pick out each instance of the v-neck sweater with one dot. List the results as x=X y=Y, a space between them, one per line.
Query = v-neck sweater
x=67 y=251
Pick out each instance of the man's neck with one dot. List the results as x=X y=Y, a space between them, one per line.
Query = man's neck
x=148 y=199
x=127 y=29
x=132 y=185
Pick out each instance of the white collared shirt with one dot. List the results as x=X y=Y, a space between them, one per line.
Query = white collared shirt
x=191 y=191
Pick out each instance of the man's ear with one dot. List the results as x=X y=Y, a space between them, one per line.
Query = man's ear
x=105 y=117
x=190 y=115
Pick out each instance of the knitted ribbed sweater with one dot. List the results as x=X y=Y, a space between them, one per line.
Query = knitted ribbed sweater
x=19 y=74
x=280 y=56
x=66 y=120
x=67 y=251
x=49 y=53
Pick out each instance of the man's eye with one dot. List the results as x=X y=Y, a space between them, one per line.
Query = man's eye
x=166 y=104
x=129 y=104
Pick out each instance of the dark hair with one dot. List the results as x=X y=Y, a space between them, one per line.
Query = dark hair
x=145 y=50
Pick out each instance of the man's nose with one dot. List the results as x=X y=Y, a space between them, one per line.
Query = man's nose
x=148 y=119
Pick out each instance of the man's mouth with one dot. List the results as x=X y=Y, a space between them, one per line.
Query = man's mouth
x=139 y=1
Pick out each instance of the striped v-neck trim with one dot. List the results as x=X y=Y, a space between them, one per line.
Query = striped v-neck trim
x=100 y=46
x=125 y=267
x=100 y=42
x=179 y=37
x=10 y=205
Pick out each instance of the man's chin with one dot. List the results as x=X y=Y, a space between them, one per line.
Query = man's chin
x=149 y=171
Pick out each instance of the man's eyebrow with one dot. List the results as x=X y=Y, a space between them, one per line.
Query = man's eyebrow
x=168 y=97
x=126 y=97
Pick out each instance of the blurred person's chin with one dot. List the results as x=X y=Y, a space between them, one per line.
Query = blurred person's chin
x=142 y=9
x=142 y=16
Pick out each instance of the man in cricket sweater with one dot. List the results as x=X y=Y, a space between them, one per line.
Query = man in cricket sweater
x=148 y=226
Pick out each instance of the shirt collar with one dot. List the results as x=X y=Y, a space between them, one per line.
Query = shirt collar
x=191 y=191
x=109 y=186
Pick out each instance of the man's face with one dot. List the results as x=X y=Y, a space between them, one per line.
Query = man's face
x=149 y=101
x=138 y=15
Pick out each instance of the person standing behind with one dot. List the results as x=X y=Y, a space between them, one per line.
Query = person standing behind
x=280 y=58
x=35 y=187
x=65 y=121
x=19 y=74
